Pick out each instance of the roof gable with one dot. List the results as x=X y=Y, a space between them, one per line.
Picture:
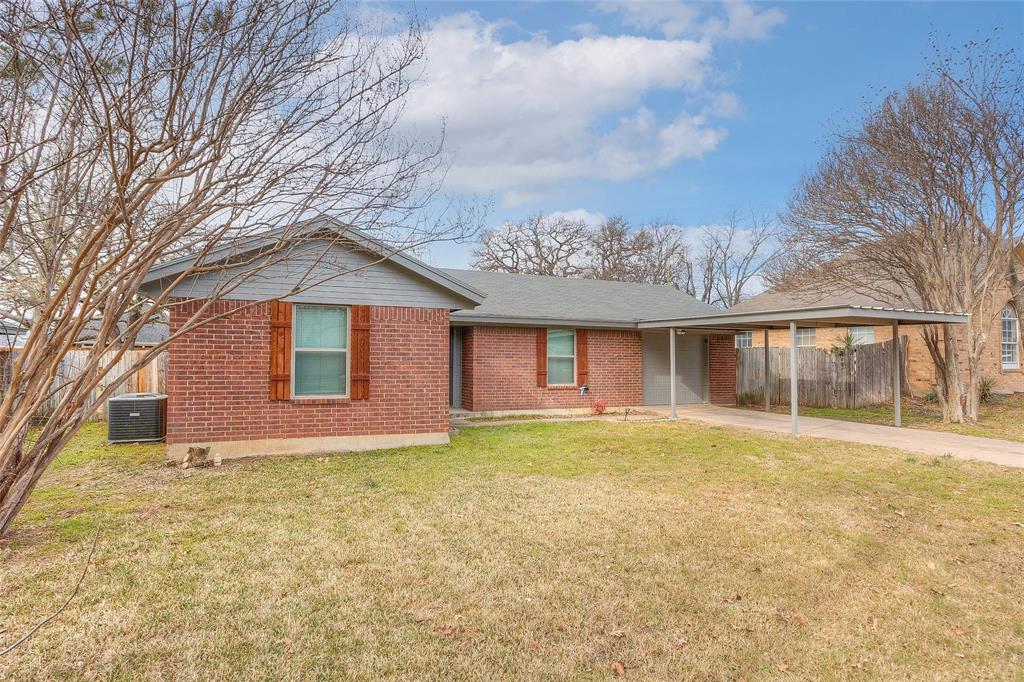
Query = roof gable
x=351 y=267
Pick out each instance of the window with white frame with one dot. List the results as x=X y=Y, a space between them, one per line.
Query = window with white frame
x=862 y=335
x=744 y=339
x=1010 y=338
x=805 y=336
x=320 y=351
x=561 y=357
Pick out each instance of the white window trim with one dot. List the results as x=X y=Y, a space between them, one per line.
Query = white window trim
x=814 y=337
x=746 y=335
x=296 y=349
x=1007 y=315
x=562 y=357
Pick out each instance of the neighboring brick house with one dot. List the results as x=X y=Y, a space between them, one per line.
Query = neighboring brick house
x=1001 y=359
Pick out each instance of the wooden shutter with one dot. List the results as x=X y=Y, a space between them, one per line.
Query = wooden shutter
x=581 y=357
x=359 y=388
x=542 y=358
x=280 y=350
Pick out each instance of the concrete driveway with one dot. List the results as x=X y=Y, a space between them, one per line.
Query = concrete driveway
x=1005 y=452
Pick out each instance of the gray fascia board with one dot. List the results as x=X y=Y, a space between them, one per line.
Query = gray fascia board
x=833 y=314
x=359 y=237
x=500 y=320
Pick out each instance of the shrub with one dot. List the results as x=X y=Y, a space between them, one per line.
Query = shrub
x=987 y=390
x=599 y=406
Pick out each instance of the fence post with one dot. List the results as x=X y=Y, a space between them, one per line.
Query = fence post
x=767 y=375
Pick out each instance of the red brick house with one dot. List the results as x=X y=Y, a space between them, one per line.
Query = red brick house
x=377 y=353
x=375 y=348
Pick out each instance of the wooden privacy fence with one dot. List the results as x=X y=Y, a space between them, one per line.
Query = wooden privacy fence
x=851 y=377
x=151 y=378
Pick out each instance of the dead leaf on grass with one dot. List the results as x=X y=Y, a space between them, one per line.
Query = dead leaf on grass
x=732 y=598
x=781 y=665
x=618 y=669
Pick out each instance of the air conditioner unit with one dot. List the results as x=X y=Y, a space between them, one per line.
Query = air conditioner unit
x=136 y=417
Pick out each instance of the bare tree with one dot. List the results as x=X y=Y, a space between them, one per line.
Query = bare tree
x=717 y=269
x=734 y=256
x=131 y=133
x=615 y=251
x=539 y=245
x=663 y=257
x=923 y=200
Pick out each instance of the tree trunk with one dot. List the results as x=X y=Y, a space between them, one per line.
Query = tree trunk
x=15 y=491
x=953 y=410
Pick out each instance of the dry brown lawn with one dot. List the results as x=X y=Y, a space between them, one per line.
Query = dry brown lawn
x=543 y=551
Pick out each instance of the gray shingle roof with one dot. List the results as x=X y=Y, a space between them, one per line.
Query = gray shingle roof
x=537 y=298
x=824 y=297
x=150 y=334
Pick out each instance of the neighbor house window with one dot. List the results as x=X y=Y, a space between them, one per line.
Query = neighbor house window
x=320 y=351
x=1010 y=337
x=561 y=357
x=745 y=339
x=805 y=336
x=862 y=335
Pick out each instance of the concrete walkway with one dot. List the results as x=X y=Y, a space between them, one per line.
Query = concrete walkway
x=1005 y=452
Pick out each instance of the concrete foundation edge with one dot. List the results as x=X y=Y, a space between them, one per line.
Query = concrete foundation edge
x=236 y=449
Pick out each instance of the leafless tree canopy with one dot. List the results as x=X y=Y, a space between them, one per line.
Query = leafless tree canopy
x=718 y=265
x=925 y=194
x=131 y=133
x=538 y=245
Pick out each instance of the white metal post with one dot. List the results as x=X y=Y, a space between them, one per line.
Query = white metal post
x=793 y=394
x=896 y=368
x=767 y=375
x=672 y=369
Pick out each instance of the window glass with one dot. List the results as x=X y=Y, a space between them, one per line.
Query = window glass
x=319 y=373
x=320 y=360
x=320 y=326
x=805 y=336
x=1010 y=339
x=744 y=339
x=561 y=357
x=863 y=335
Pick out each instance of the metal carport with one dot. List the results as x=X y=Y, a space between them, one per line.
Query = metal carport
x=824 y=316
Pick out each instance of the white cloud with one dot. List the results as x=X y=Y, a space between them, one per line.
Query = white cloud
x=746 y=23
x=589 y=217
x=740 y=20
x=673 y=19
x=587 y=29
x=523 y=116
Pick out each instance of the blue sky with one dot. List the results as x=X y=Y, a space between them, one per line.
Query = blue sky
x=673 y=111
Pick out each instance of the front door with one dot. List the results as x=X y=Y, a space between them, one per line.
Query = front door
x=455 y=367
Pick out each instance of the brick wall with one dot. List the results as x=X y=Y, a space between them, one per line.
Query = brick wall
x=218 y=380
x=722 y=369
x=499 y=370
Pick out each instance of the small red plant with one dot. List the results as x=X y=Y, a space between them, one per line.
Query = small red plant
x=600 y=406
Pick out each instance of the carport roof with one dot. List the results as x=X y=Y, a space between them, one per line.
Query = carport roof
x=812 y=316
